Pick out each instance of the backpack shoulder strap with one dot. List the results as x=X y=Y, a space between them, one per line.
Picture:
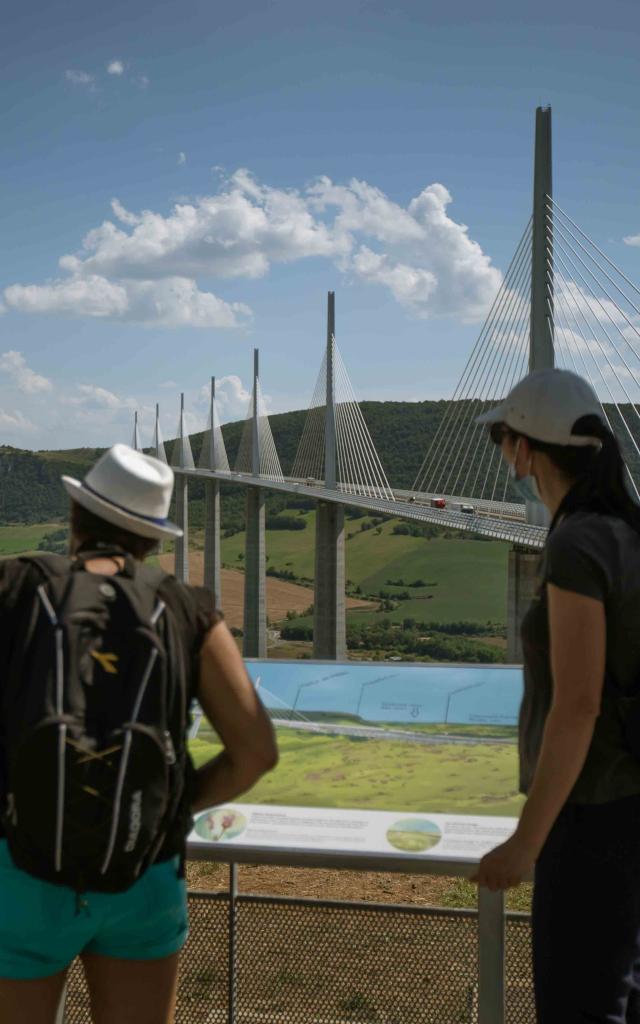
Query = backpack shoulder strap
x=152 y=575
x=49 y=565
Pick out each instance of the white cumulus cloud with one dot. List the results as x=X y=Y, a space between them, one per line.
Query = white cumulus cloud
x=15 y=422
x=115 y=67
x=232 y=397
x=22 y=376
x=79 y=77
x=169 y=302
x=94 y=395
x=146 y=267
x=182 y=158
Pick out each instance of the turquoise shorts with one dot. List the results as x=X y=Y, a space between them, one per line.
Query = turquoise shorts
x=43 y=927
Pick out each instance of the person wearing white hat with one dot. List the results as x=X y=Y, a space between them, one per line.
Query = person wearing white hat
x=128 y=490
x=579 y=728
x=128 y=936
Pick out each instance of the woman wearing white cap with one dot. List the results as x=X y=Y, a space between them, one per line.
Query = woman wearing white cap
x=579 y=731
x=129 y=926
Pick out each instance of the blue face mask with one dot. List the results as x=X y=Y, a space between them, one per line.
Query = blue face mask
x=526 y=486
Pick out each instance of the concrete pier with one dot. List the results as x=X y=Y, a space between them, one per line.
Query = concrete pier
x=329 y=624
x=181 y=558
x=255 y=596
x=522 y=587
x=212 y=556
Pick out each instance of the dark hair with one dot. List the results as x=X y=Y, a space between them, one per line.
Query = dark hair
x=599 y=475
x=90 y=530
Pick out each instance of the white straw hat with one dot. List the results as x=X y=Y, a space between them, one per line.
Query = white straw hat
x=128 y=489
x=546 y=405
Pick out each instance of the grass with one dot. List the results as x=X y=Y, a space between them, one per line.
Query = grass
x=467 y=578
x=341 y=771
x=287 y=549
x=18 y=540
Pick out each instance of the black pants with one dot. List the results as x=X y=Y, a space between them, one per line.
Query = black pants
x=586 y=916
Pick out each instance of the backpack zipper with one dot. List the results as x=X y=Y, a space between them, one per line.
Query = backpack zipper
x=62 y=728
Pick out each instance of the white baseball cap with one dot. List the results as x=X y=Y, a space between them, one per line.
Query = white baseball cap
x=546 y=405
x=129 y=489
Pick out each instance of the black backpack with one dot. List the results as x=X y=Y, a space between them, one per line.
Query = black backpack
x=94 y=712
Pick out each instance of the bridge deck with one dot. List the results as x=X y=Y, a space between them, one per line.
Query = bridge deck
x=484 y=520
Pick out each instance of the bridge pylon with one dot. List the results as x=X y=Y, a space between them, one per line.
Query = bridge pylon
x=213 y=457
x=329 y=622
x=182 y=458
x=157 y=444
x=522 y=582
x=135 y=441
x=255 y=585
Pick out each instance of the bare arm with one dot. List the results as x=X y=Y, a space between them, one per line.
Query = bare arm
x=577 y=628
x=229 y=701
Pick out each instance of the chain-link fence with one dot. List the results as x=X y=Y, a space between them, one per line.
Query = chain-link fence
x=298 y=961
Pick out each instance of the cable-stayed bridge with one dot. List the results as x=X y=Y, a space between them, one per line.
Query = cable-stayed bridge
x=562 y=302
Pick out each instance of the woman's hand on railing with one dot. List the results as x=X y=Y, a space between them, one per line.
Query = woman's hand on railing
x=507 y=866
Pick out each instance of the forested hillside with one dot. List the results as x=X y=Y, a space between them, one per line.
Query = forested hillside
x=31 y=492
x=30 y=489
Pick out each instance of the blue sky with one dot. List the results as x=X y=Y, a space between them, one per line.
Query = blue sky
x=262 y=153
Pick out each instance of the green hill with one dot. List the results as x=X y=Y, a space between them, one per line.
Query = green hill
x=31 y=492
x=402 y=432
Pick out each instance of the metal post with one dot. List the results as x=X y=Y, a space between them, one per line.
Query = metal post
x=330 y=476
x=212 y=555
x=490 y=957
x=60 y=1014
x=233 y=893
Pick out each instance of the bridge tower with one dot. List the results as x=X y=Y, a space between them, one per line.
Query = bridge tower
x=211 y=459
x=135 y=441
x=255 y=599
x=157 y=445
x=181 y=459
x=523 y=564
x=329 y=625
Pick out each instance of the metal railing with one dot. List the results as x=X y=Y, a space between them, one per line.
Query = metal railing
x=277 y=960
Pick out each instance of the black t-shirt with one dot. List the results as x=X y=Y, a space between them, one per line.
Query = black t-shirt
x=193 y=607
x=599 y=556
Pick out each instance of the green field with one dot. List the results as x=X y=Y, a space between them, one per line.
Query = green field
x=342 y=771
x=17 y=540
x=467 y=578
x=412 y=842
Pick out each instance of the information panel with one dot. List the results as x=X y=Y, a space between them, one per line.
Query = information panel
x=392 y=835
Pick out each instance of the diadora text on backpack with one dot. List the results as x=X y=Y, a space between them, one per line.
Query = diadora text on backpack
x=94 y=714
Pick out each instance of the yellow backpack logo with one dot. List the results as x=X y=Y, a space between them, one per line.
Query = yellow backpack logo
x=106 y=661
